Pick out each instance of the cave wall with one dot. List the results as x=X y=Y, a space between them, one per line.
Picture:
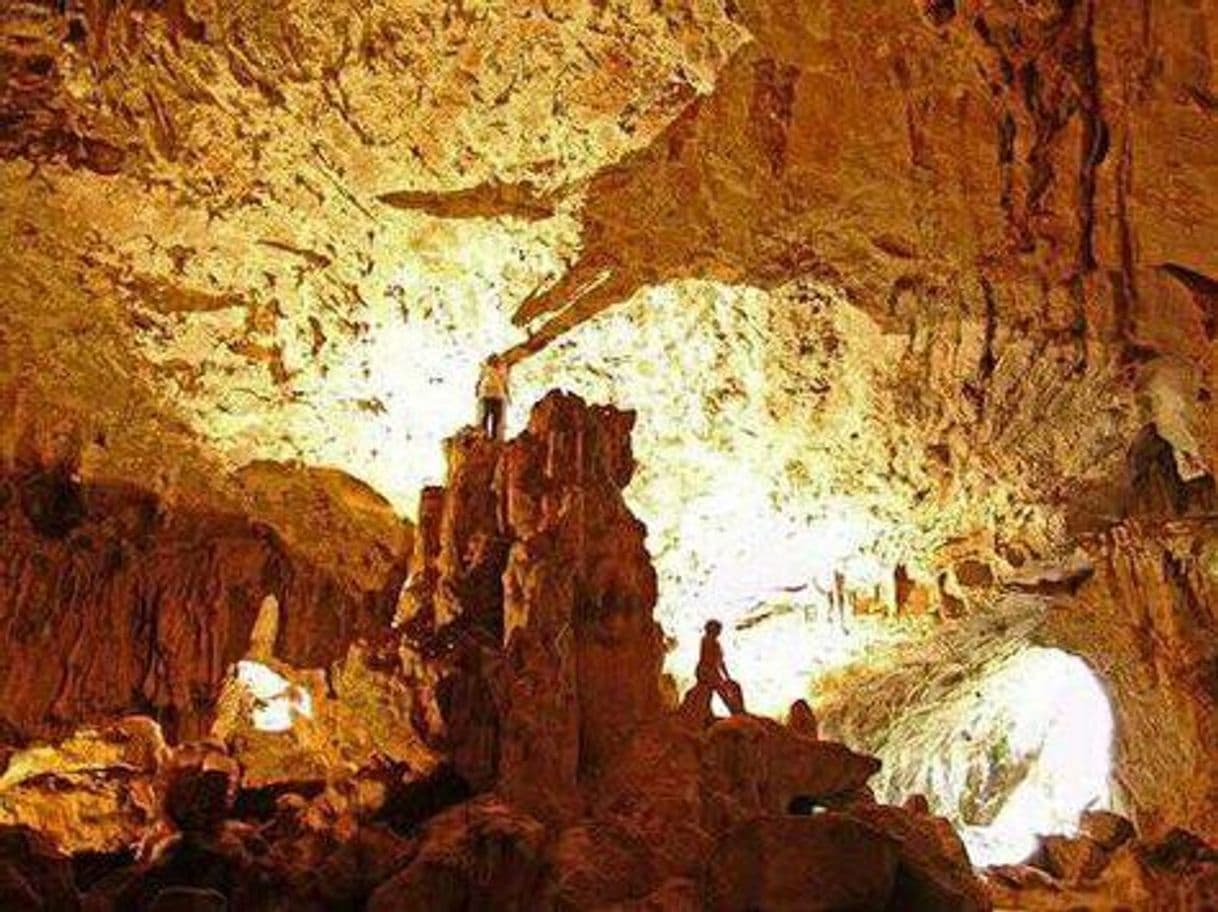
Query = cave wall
x=1002 y=184
x=225 y=241
x=113 y=602
x=1147 y=624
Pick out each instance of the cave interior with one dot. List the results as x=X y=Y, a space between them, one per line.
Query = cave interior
x=885 y=334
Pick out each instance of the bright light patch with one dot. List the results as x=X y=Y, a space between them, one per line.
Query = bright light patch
x=1059 y=722
x=277 y=702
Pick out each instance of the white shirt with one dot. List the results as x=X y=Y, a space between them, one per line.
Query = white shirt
x=493 y=382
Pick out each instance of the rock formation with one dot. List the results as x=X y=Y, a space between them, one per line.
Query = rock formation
x=114 y=602
x=533 y=666
x=1152 y=596
x=939 y=263
x=532 y=558
x=1107 y=867
x=921 y=295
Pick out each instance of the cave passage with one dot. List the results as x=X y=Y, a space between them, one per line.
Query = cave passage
x=1033 y=750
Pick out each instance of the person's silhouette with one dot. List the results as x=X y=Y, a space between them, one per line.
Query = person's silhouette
x=712 y=672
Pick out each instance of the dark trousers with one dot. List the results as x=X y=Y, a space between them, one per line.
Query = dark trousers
x=490 y=418
x=727 y=690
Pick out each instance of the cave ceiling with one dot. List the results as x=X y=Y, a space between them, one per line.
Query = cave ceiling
x=886 y=281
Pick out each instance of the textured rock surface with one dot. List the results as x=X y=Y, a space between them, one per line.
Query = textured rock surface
x=32 y=874
x=539 y=567
x=828 y=861
x=478 y=855
x=1147 y=621
x=918 y=285
x=930 y=266
x=594 y=798
x=95 y=791
x=1179 y=871
x=1140 y=614
x=114 y=602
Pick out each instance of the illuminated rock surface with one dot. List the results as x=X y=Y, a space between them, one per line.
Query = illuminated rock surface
x=919 y=292
x=593 y=792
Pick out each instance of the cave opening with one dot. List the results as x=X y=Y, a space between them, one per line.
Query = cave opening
x=1009 y=740
x=1044 y=726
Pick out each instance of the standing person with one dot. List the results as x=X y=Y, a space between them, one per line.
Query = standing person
x=493 y=396
x=712 y=672
x=838 y=597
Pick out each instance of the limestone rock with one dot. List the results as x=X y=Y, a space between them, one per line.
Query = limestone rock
x=478 y=855
x=365 y=541
x=681 y=790
x=112 y=628
x=1110 y=831
x=933 y=871
x=32 y=874
x=596 y=865
x=1071 y=859
x=292 y=725
x=826 y=861
x=94 y=791
x=200 y=787
x=655 y=789
x=1140 y=616
x=763 y=766
x=535 y=591
x=1178 y=871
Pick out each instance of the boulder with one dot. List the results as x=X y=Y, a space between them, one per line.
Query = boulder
x=1071 y=858
x=224 y=860
x=1176 y=872
x=480 y=855
x=200 y=787
x=762 y=765
x=827 y=861
x=656 y=789
x=33 y=875
x=597 y=864
x=1110 y=831
x=934 y=874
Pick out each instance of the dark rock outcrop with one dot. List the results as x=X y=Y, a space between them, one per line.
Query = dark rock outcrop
x=532 y=583
x=479 y=855
x=32 y=874
x=783 y=864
